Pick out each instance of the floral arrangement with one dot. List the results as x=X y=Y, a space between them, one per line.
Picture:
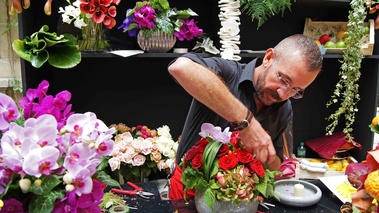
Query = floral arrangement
x=90 y=16
x=101 y=12
x=154 y=15
x=51 y=158
x=138 y=151
x=218 y=165
x=364 y=176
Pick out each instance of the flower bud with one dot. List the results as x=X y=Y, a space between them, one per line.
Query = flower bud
x=1 y=204
x=67 y=178
x=25 y=185
x=38 y=183
x=70 y=187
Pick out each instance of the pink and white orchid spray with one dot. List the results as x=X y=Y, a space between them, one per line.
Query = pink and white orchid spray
x=138 y=151
x=49 y=159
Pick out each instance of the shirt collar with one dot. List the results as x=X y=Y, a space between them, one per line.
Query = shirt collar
x=248 y=70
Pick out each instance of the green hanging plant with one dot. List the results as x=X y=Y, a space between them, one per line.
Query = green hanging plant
x=262 y=10
x=346 y=92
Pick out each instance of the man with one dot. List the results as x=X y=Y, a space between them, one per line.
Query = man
x=251 y=98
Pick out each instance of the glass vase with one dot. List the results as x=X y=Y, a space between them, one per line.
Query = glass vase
x=93 y=37
x=221 y=206
x=158 y=42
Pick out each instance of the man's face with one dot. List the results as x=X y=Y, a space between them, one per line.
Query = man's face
x=283 y=79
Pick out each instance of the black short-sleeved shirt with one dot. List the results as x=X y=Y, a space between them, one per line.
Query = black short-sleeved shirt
x=238 y=78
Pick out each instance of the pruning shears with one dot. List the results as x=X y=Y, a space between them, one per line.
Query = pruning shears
x=136 y=191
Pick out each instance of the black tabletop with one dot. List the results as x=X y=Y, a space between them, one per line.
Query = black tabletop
x=327 y=204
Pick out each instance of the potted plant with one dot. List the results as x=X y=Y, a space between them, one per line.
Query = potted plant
x=156 y=18
x=51 y=157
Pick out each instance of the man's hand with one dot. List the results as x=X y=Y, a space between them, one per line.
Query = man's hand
x=256 y=140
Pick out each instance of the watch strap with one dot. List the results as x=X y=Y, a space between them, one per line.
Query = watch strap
x=240 y=125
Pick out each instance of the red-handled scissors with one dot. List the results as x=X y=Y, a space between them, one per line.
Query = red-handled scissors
x=137 y=191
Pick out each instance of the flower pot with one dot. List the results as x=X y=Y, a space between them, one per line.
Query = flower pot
x=93 y=37
x=158 y=42
x=224 y=206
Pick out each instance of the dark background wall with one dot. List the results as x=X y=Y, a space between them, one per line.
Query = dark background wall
x=138 y=90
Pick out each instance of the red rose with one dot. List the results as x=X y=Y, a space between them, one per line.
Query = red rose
x=190 y=154
x=243 y=155
x=257 y=167
x=224 y=149
x=234 y=139
x=227 y=162
x=201 y=144
x=197 y=161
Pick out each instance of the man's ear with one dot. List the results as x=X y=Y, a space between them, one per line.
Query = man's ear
x=268 y=57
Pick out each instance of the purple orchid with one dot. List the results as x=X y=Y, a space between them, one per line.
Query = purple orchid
x=12 y=206
x=51 y=143
x=8 y=111
x=208 y=130
x=188 y=31
x=145 y=17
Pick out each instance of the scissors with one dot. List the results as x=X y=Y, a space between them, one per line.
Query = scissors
x=263 y=203
x=137 y=191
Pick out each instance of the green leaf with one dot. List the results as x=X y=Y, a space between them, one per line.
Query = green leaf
x=209 y=198
x=39 y=59
x=48 y=183
x=45 y=203
x=209 y=155
x=19 y=48
x=64 y=57
x=105 y=178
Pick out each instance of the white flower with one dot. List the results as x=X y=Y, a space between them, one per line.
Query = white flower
x=164 y=131
x=114 y=163
x=72 y=12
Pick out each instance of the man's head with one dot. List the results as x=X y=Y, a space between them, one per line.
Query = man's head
x=287 y=69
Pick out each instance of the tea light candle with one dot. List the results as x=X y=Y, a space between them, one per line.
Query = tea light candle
x=299 y=190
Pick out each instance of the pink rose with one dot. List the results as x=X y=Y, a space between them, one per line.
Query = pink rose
x=114 y=163
x=138 y=160
x=156 y=156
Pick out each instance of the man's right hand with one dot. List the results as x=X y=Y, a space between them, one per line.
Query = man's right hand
x=256 y=140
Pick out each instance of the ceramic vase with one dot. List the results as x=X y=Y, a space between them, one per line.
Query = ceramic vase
x=157 y=42
x=224 y=206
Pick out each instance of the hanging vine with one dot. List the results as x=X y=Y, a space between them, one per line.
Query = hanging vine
x=346 y=92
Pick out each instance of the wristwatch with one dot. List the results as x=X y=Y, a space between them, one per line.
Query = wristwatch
x=240 y=125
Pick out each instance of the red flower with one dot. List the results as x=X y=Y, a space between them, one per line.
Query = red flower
x=201 y=144
x=243 y=156
x=197 y=161
x=101 y=11
x=234 y=139
x=224 y=149
x=228 y=162
x=191 y=154
x=257 y=167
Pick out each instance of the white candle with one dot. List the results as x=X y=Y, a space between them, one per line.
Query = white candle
x=299 y=190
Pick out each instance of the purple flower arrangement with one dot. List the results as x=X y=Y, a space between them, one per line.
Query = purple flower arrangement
x=154 y=15
x=50 y=157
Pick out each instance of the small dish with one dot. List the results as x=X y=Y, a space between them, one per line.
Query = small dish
x=285 y=190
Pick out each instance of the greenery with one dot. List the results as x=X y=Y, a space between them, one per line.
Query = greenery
x=262 y=10
x=60 y=51
x=346 y=91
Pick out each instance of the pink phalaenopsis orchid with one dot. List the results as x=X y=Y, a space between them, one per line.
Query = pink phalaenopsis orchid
x=8 y=111
x=56 y=151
